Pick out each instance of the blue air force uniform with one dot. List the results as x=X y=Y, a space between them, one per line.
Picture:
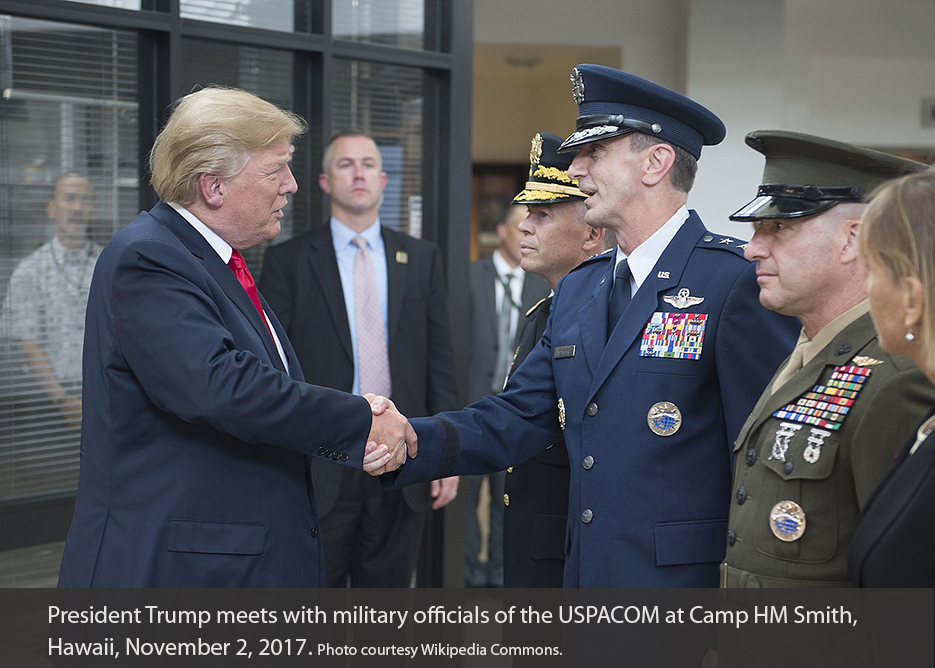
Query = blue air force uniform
x=648 y=412
x=646 y=509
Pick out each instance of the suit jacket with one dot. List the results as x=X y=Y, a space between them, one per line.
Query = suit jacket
x=194 y=439
x=483 y=319
x=831 y=483
x=301 y=280
x=651 y=509
x=534 y=521
x=894 y=544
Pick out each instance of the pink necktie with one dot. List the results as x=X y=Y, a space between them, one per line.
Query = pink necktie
x=239 y=266
x=373 y=363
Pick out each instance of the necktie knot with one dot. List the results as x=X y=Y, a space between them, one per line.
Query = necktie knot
x=360 y=242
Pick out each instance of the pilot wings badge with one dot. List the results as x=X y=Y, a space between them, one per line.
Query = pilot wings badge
x=683 y=299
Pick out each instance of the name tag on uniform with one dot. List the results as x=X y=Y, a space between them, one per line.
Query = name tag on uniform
x=561 y=352
x=674 y=335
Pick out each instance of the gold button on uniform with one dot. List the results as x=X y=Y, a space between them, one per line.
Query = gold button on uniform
x=506 y=499
x=510 y=470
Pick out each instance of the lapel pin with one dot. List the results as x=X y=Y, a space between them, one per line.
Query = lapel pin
x=402 y=257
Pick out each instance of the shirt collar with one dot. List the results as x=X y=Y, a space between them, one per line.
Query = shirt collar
x=343 y=235
x=221 y=247
x=829 y=331
x=503 y=267
x=645 y=256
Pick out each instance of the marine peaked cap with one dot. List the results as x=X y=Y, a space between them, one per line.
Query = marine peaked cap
x=612 y=103
x=805 y=174
x=548 y=182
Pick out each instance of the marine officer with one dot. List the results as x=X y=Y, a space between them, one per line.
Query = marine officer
x=831 y=420
x=649 y=387
x=555 y=240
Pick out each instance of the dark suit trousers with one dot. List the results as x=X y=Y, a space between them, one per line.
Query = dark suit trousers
x=370 y=535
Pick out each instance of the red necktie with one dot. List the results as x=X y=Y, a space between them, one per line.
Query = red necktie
x=239 y=266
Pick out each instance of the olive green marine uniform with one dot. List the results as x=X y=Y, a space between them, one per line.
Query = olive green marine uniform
x=799 y=485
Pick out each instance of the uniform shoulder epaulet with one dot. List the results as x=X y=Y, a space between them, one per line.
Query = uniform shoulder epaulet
x=532 y=309
x=608 y=254
x=721 y=242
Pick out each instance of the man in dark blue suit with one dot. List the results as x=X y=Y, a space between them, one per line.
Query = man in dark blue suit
x=197 y=427
x=651 y=360
x=371 y=537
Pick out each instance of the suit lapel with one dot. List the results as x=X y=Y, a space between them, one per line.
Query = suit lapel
x=594 y=313
x=221 y=273
x=645 y=302
x=295 y=369
x=488 y=295
x=396 y=277
x=324 y=266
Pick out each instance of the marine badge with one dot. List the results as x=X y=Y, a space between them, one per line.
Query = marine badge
x=781 y=441
x=816 y=439
x=664 y=418
x=577 y=86
x=683 y=299
x=862 y=360
x=561 y=413
x=787 y=521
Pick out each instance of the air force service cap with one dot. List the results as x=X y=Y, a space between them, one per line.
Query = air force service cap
x=805 y=174
x=548 y=182
x=612 y=103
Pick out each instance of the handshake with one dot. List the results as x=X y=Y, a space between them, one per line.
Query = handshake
x=391 y=437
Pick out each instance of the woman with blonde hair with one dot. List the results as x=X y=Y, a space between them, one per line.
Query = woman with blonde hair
x=895 y=543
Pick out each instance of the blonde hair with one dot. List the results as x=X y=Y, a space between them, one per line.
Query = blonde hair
x=897 y=232
x=214 y=130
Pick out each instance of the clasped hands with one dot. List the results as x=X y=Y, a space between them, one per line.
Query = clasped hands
x=391 y=437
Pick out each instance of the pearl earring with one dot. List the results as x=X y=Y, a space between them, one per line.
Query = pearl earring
x=910 y=337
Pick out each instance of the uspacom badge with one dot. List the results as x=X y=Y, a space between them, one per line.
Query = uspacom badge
x=787 y=521
x=561 y=414
x=664 y=418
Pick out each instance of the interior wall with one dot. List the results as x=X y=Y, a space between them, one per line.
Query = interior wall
x=854 y=70
x=511 y=104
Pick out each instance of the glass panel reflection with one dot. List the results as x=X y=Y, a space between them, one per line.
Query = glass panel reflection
x=386 y=102
x=269 y=14
x=389 y=22
x=68 y=181
x=263 y=72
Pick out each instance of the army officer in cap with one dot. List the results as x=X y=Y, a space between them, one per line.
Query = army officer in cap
x=828 y=425
x=648 y=366
x=555 y=240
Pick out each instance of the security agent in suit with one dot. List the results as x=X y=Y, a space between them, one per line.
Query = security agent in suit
x=649 y=402
x=197 y=426
x=828 y=425
x=555 y=240
x=495 y=314
x=310 y=284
